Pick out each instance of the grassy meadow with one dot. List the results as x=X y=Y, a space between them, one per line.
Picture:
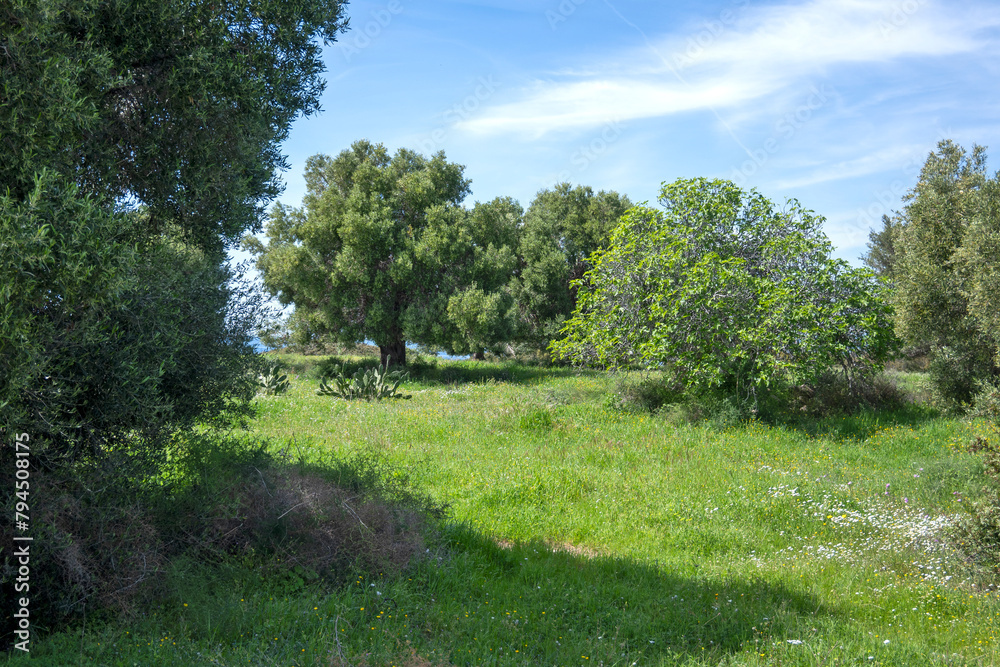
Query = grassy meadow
x=577 y=533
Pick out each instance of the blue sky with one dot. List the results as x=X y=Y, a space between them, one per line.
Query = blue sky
x=836 y=103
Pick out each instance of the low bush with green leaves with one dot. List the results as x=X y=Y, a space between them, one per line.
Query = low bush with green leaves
x=977 y=534
x=370 y=384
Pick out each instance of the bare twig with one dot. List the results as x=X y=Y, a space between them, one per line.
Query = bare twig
x=336 y=636
x=354 y=514
x=262 y=481
x=291 y=508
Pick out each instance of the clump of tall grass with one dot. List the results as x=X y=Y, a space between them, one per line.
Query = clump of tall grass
x=108 y=545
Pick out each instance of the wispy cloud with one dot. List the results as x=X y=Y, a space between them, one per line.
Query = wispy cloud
x=761 y=52
x=887 y=159
x=592 y=103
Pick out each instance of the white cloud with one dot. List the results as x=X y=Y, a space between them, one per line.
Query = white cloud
x=828 y=32
x=755 y=53
x=592 y=103
x=891 y=158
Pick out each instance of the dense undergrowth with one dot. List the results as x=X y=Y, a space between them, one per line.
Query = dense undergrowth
x=543 y=516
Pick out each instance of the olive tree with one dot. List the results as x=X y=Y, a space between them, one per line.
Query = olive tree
x=382 y=250
x=722 y=290
x=109 y=345
x=138 y=140
x=178 y=105
x=562 y=228
x=946 y=284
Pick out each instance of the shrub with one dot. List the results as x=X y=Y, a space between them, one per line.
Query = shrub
x=832 y=395
x=956 y=372
x=987 y=402
x=649 y=394
x=96 y=545
x=977 y=534
x=728 y=293
x=371 y=384
x=106 y=348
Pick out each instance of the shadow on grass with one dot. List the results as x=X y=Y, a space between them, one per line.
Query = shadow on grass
x=553 y=606
x=434 y=372
x=464 y=600
x=864 y=424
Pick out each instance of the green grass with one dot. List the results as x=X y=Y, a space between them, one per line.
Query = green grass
x=582 y=535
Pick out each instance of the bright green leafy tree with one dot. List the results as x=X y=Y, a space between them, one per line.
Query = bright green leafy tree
x=723 y=291
x=946 y=277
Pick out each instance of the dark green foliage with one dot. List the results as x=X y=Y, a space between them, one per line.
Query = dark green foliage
x=987 y=403
x=947 y=273
x=178 y=105
x=480 y=311
x=562 y=228
x=117 y=327
x=977 y=534
x=138 y=139
x=383 y=251
x=103 y=346
x=958 y=371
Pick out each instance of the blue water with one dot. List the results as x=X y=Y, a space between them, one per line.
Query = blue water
x=259 y=347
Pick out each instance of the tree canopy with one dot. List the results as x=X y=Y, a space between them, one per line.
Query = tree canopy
x=947 y=273
x=562 y=228
x=721 y=289
x=382 y=250
x=138 y=139
x=179 y=106
x=881 y=255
